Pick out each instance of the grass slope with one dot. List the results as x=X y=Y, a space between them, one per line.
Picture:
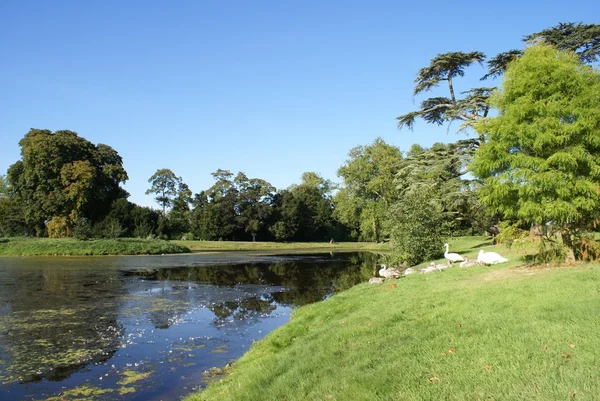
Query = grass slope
x=505 y=332
x=268 y=246
x=68 y=246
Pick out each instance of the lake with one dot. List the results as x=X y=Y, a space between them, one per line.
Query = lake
x=149 y=327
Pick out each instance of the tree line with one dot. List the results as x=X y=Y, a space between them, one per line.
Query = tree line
x=528 y=163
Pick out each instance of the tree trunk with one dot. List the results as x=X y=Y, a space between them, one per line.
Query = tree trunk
x=568 y=244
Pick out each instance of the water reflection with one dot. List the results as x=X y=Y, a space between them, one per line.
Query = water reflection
x=98 y=327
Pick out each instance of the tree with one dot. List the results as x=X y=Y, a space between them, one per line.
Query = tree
x=582 y=39
x=255 y=197
x=164 y=185
x=367 y=189
x=441 y=110
x=440 y=170
x=417 y=231
x=542 y=161
x=4 y=188
x=64 y=175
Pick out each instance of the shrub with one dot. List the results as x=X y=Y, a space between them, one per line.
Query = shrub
x=58 y=227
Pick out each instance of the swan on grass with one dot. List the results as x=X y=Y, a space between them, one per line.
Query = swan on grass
x=490 y=258
x=452 y=257
x=468 y=262
x=389 y=272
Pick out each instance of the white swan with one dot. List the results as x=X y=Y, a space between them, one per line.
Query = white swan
x=489 y=258
x=452 y=257
x=389 y=272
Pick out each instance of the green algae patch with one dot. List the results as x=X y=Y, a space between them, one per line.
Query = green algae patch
x=84 y=392
x=221 y=349
x=131 y=376
x=126 y=390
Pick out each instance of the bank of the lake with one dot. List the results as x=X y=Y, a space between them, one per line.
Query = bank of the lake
x=199 y=246
x=502 y=332
x=74 y=247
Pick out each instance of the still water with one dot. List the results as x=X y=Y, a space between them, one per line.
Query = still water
x=149 y=327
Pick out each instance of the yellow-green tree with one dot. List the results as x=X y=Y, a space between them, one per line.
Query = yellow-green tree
x=541 y=158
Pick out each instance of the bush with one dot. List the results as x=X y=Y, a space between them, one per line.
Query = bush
x=58 y=227
x=417 y=232
x=113 y=228
x=82 y=230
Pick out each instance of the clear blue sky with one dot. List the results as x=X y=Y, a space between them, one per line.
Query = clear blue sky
x=270 y=88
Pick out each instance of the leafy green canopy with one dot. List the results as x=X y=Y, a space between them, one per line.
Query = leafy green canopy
x=63 y=174
x=368 y=189
x=541 y=162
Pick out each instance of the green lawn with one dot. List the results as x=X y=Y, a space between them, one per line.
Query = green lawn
x=506 y=332
x=69 y=246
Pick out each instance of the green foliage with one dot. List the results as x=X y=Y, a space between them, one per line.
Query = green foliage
x=582 y=39
x=12 y=221
x=164 y=185
x=368 y=189
x=4 y=187
x=63 y=175
x=416 y=227
x=82 y=230
x=441 y=110
x=112 y=228
x=542 y=160
x=58 y=227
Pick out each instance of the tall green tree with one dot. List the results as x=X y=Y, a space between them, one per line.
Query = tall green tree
x=467 y=110
x=164 y=186
x=541 y=163
x=368 y=189
x=255 y=198
x=64 y=175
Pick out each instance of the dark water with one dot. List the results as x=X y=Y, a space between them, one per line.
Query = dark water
x=149 y=328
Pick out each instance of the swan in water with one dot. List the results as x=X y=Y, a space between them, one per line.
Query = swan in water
x=490 y=258
x=389 y=272
x=452 y=257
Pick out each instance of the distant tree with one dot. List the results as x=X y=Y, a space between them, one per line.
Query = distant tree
x=178 y=219
x=64 y=175
x=542 y=162
x=309 y=211
x=164 y=185
x=368 y=189
x=255 y=197
x=12 y=221
x=4 y=189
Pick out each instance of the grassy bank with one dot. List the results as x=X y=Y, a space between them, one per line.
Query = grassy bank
x=505 y=332
x=68 y=246
x=198 y=246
